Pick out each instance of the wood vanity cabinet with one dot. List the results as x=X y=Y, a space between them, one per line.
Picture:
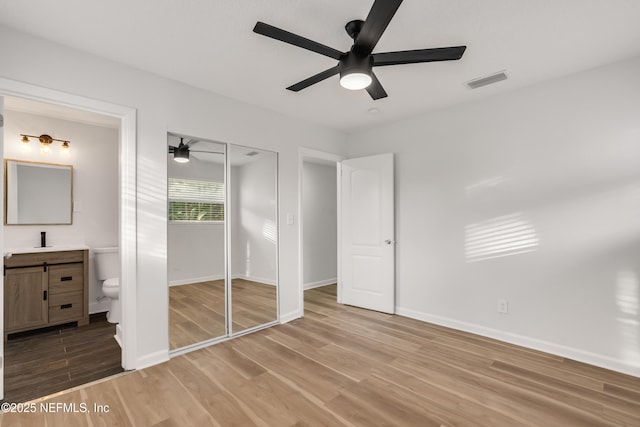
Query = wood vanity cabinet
x=45 y=289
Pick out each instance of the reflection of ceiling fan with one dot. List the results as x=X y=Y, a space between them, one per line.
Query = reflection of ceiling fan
x=181 y=152
x=355 y=66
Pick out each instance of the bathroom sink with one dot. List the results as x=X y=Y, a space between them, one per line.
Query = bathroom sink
x=8 y=252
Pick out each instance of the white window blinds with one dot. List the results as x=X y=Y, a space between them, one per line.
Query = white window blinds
x=190 y=190
x=195 y=201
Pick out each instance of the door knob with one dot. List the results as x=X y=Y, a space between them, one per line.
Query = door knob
x=388 y=241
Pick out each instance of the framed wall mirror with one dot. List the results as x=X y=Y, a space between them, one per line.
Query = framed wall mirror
x=38 y=193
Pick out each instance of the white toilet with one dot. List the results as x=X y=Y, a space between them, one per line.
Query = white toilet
x=107 y=262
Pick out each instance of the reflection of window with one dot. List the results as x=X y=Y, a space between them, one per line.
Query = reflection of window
x=193 y=200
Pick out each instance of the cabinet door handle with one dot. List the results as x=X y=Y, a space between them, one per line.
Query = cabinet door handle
x=44 y=295
x=66 y=278
x=66 y=306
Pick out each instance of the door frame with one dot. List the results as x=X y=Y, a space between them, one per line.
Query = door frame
x=305 y=154
x=127 y=190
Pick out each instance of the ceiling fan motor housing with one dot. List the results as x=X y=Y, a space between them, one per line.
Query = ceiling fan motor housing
x=353 y=62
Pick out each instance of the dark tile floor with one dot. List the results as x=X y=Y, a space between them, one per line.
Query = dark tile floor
x=45 y=361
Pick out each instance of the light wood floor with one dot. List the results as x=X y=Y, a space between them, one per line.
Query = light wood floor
x=342 y=366
x=197 y=311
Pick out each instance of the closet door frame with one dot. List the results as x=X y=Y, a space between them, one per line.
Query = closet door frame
x=229 y=334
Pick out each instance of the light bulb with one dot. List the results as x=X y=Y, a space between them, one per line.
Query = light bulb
x=45 y=149
x=66 y=150
x=355 y=81
x=24 y=145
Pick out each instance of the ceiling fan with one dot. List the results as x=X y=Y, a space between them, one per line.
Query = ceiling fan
x=181 y=152
x=355 y=66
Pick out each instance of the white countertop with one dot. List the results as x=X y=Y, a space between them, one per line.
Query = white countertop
x=10 y=251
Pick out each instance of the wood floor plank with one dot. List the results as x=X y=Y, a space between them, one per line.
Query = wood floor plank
x=342 y=366
x=318 y=380
x=197 y=310
x=42 y=362
x=444 y=403
x=347 y=363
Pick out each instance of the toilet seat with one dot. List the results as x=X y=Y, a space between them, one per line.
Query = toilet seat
x=114 y=282
x=111 y=287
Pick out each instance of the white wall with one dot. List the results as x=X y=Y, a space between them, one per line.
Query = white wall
x=164 y=105
x=319 y=202
x=563 y=159
x=94 y=157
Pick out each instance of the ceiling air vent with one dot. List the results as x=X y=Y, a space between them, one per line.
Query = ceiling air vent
x=484 y=81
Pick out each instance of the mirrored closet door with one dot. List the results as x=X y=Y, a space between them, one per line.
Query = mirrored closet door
x=252 y=237
x=222 y=240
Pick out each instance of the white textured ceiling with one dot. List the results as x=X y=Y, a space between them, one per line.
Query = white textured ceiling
x=210 y=44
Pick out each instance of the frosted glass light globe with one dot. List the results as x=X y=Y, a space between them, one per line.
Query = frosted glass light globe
x=355 y=81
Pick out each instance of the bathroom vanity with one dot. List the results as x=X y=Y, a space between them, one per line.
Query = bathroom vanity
x=45 y=287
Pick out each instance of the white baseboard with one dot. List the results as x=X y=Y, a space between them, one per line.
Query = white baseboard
x=152 y=359
x=595 y=359
x=192 y=280
x=319 y=283
x=118 y=335
x=262 y=280
x=99 y=306
x=288 y=317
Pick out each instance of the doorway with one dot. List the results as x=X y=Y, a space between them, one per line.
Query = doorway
x=125 y=117
x=318 y=222
x=365 y=229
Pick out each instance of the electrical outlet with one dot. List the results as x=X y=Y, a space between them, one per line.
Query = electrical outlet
x=503 y=306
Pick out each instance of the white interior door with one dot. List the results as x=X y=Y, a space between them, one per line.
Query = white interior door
x=367 y=246
x=2 y=246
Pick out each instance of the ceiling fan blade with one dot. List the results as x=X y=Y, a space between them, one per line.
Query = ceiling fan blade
x=296 y=40
x=203 y=151
x=375 y=89
x=315 y=79
x=379 y=17
x=419 y=55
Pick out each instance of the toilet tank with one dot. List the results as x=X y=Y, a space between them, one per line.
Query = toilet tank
x=107 y=262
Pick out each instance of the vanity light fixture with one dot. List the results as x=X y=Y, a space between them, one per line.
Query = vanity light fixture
x=45 y=143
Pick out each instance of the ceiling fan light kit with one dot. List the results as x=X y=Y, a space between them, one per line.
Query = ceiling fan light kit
x=355 y=71
x=356 y=65
x=181 y=152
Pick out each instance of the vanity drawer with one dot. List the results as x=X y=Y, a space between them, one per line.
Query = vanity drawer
x=65 y=307
x=66 y=278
